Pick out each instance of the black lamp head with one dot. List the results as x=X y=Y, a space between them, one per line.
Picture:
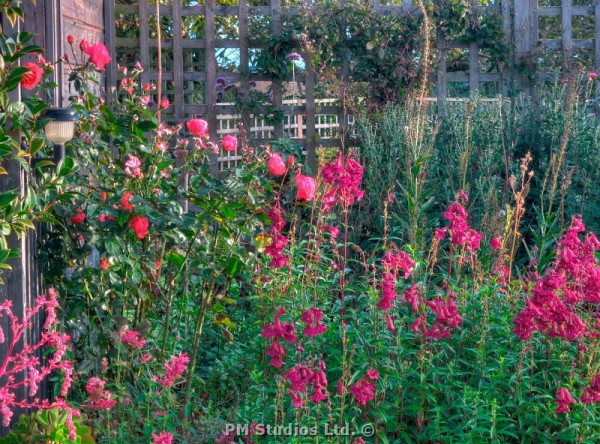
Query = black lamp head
x=61 y=114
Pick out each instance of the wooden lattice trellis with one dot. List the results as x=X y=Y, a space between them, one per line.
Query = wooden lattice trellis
x=190 y=68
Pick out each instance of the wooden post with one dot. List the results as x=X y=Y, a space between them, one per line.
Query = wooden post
x=442 y=77
x=473 y=60
x=211 y=77
x=567 y=34
x=277 y=84
x=309 y=96
x=178 y=60
x=507 y=28
x=525 y=33
x=109 y=41
x=597 y=48
x=144 y=42
x=344 y=74
x=244 y=62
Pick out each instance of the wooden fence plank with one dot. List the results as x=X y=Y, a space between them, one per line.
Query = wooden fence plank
x=277 y=87
x=311 y=143
x=597 y=37
x=474 y=60
x=567 y=33
x=244 y=61
x=597 y=48
x=474 y=68
x=442 y=79
x=110 y=40
x=507 y=29
x=211 y=76
x=525 y=33
x=344 y=78
x=144 y=39
x=178 y=60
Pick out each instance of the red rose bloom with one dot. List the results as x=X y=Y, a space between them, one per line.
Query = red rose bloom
x=164 y=103
x=83 y=45
x=104 y=264
x=277 y=165
x=99 y=55
x=139 y=225
x=230 y=143
x=70 y=39
x=32 y=77
x=79 y=218
x=125 y=201
x=198 y=127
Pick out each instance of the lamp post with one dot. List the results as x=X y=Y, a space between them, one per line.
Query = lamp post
x=60 y=129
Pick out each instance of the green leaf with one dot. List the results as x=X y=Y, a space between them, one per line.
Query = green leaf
x=36 y=145
x=67 y=167
x=175 y=258
x=15 y=76
x=6 y=199
x=13 y=14
x=24 y=37
x=234 y=266
x=7 y=46
x=147 y=125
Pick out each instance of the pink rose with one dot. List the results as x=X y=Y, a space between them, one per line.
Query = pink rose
x=307 y=186
x=99 y=55
x=277 y=165
x=198 y=127
x=230 y=143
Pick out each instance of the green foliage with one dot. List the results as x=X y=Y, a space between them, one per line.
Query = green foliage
x=476 y=147
x=20 y=141
x=48 y=426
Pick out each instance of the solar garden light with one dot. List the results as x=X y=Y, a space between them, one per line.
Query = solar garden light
x=60 y=129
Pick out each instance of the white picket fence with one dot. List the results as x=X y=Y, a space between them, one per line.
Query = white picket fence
x=326 y=127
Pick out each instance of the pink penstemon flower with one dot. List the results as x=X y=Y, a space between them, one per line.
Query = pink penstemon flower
x=278 y=240
x=343 y=178
x=570 y=281
x=363 y=391
x=312 y=318
x=393 y=261
x=563 y=399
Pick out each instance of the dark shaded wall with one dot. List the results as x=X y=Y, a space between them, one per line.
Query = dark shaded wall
x=51 y=21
